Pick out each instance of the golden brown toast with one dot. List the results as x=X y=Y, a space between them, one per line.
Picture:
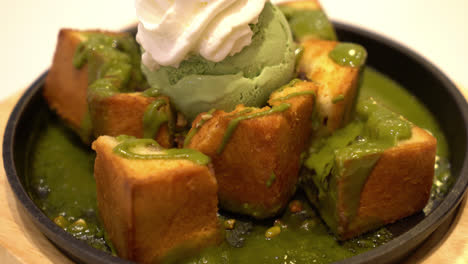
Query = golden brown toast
x=153 y=208
x=257 y=171
x=65 y=86
x=378 y=188
x=335 y=82
x=300 y=112
x=66 y=91
x=398 y=186
x=122 y=114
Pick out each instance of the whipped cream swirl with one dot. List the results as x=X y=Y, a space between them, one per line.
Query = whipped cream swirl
x=171 y=30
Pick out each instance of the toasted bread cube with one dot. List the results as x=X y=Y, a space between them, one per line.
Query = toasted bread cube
x=307 y=19
x=398 y=185
x=338 y=87
x=66 y=91
x=122 y=114
x=257 y=171
x=154 y=208
x=65 y=86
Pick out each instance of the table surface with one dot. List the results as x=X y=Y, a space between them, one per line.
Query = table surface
x=436 y=29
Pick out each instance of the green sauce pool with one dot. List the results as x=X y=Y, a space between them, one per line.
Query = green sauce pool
x=60 y=181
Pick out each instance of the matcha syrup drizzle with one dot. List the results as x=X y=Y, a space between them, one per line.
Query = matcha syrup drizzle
x=197 y=127
x=235 y=122
x=308 y=23
x=113 y=65
x=157 y=114
x=126 y=148
x=154 y=116
x=291 y=95
x=349 y=55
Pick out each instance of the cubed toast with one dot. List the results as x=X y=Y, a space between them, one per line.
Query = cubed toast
x=397 y=186
x=66 y=91
x=153 y=208
x=257 y=171
x=338 y=85
x=66 y=87
x=122 y=114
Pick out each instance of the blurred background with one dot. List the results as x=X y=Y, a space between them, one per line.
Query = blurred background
x=436 y=29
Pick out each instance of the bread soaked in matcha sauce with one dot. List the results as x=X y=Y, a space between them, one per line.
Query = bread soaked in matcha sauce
x=60 y=181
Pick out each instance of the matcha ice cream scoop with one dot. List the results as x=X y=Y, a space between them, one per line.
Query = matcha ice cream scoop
x=247 y=77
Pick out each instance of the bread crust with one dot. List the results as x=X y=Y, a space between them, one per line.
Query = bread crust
x=65 y=86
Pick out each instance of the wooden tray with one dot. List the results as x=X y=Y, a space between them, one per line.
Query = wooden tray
x=21 y=242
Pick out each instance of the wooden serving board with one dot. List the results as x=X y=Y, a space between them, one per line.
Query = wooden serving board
x=21 y=242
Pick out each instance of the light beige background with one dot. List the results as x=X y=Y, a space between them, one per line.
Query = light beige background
x=437 y=29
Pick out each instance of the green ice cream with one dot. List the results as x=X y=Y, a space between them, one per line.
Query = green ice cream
x=246 y=78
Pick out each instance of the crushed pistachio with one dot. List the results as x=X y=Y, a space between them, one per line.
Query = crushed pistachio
x=308 y=224
x=272 y=232
x=229 y=224
x=61 y=221
x=181 y=120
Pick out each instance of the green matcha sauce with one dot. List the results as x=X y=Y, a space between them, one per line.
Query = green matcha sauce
x=308 y=23
x=154 y=117
x=60 y=181
x=128 y=145
x=349 y=154
x=303 y=238
x=113 y=63
x=349 y=54
x=59 y=175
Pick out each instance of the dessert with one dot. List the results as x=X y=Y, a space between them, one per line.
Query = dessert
x=271 y=111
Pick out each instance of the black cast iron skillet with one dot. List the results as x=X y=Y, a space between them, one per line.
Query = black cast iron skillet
x=406 y=67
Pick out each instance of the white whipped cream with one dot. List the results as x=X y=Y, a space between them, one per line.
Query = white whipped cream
x=170 y=30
